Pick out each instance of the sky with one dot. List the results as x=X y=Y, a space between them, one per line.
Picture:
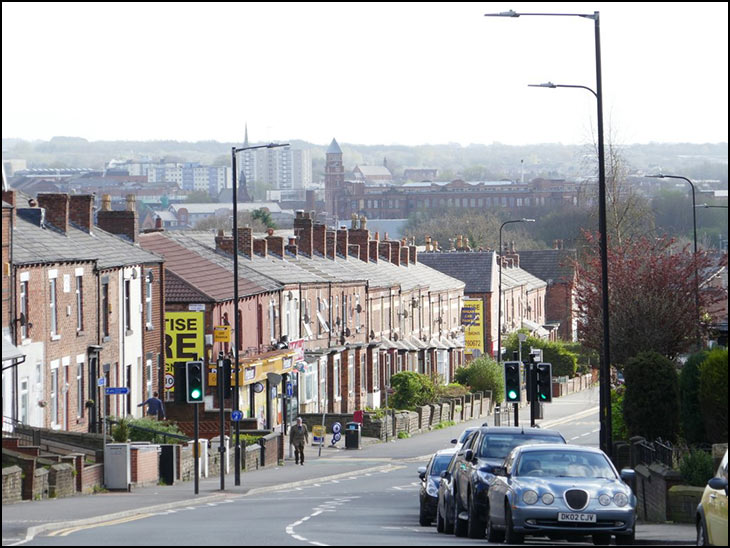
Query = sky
x=383 y=73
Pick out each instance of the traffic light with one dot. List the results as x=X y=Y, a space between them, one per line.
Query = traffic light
x=512 y=382
x=194 y=374
x=544 y=382
x=227 y=388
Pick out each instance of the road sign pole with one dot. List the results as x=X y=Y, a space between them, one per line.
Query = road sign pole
x=196 y=448
x=221 y=403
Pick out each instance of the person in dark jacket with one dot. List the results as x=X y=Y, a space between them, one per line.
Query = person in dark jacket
x=155 y=407
x=298 y=436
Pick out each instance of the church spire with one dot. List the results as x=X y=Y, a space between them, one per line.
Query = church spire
x=245 y=139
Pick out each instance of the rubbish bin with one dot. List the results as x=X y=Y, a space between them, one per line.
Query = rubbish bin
x=353 y=435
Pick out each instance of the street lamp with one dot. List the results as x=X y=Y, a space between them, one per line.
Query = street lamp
x=605 y=370
x=499 y=293
x=237 y=326
x=694 y=228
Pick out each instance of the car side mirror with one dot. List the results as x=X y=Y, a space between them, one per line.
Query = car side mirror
x=718 y=484
x=445 y=474
x=628 y=475
x=488 y=469
x=454 y=440
x=469 y=455
x=422 y=472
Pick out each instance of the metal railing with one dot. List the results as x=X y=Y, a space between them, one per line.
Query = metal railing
x=155 y=433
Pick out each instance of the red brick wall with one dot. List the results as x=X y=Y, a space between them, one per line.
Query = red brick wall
x=6 y=295
x=145 y=464
x=558 y=307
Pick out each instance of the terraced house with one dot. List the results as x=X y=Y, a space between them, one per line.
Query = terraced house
x=86 y=305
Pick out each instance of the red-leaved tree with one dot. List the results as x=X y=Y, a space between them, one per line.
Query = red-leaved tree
x=651 y=297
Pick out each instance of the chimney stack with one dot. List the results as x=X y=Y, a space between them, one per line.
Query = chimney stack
x=394 y=252
x=303 y=229
x=121 y=223
x=9 y=197
x=360 y=237
x=245 y=241
x=260 y=246
x=57 y=209
x=412 y=254
x=331 y=239
x=292 y=246
x=343 y=240
x=82 y=211
x=275 y=245
x=224 y=243
x=319 y=239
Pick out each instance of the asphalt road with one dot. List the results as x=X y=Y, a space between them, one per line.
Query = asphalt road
x=361 y=509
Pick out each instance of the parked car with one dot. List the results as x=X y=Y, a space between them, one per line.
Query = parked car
x=561 y=491
x=430 y=476
x=466 y=481
x=711 y=519
x=458 y=442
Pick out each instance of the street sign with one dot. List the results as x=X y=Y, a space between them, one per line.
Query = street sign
x=222 y=333
x=116 y=390
x=289 y=389
x=101 y=382
x=336 y=428
x=169 y=381
x=236 y=416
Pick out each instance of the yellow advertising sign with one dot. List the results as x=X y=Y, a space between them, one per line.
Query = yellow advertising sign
x=184 y=342
x=472 y=318
x=222 y=333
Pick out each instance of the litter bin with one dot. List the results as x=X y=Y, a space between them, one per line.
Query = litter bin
x=353 y=435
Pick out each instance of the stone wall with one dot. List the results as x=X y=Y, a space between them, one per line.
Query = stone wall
x=61 y=481
x=682 y=502
x=40 y=484
x=652 y=487
x=12 y=484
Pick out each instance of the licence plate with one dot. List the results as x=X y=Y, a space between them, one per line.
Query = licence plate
x=576 y=517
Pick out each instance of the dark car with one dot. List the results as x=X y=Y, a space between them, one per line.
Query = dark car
x=469 y=474
x=430 y=476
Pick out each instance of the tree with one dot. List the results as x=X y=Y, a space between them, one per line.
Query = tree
x=264 y=216
x=651 y=296
x=713 y=395
x=198 y=197
x=225 y=223
x=411 y=390
x=693 y=428
x=651 y=400
x=483 y=374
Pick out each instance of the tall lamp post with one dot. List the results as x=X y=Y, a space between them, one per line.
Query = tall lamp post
x=237 y=325
x=605 y=369
x=694 y=228
x=499 y=292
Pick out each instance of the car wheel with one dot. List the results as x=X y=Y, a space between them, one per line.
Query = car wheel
x=459 y=525
x=625 y=540
x=602 y=539
x=702 y=539
x=492 y=534
x=423 y=519
x=510 y=535
x=448 y=526
x=439 y=521
x=475 y=525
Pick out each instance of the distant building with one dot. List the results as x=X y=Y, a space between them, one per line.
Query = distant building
x=373 y=174
x=420 y=174
x=285 y=168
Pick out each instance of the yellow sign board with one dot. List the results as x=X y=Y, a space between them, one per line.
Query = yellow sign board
x=472 y=318
x=222 y=333
x=184 y=342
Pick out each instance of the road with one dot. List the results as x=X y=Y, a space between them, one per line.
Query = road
x=365 y=507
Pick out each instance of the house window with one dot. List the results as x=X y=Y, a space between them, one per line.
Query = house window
x=24 y=310
x=272 y=320
x=79 y=303
x=363 y=372
x=53 y=304
x=148 y=301
x=127 y=305
x=336 y=388
x=351 y=374
x=376 y=372
x=105 y=308
x=148 y=376
x=80 y=389
x=54 y=395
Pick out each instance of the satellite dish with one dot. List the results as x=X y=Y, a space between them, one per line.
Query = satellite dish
x=274 y=378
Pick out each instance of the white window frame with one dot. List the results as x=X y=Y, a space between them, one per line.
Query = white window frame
x=53 y=307
x=337 y=388
x=79 y=302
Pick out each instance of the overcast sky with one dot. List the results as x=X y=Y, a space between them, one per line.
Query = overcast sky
x=409 y=74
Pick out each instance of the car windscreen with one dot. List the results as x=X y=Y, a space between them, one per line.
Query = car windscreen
x=465 y=434
x=498 y=446
x=563 y=464
x=440 y=463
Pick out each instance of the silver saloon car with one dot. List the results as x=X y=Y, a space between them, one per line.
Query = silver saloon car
x=560 y=491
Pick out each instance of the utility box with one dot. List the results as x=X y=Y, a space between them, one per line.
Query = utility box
x=353 y=435
x=117 y=466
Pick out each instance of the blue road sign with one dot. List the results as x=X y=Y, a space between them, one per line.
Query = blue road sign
x=116 y=390
x=236 y=416
x=336 y=428
x=289 y=389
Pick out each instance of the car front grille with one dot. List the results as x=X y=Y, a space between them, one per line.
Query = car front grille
x=576 y=499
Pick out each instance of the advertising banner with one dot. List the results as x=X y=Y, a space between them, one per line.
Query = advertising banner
x=184 y=342
x=472 y=318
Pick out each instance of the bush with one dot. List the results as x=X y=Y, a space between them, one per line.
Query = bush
x=697 y=468
x=483 y=374
x=560 y=354
x=412 y=390
x=152 y=424
x=713 y=395
x=453 y=390
x=693 y=427
x=651 y=400
x=618 y=426
x=120 y=432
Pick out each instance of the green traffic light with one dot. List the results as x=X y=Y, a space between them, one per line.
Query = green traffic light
x=512 y=395
x=195 y=394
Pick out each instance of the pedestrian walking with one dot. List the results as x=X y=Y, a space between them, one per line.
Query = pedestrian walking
x=298 y=436
x=155 y=407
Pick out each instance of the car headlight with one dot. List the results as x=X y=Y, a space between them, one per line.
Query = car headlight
x=604 y=500
x=432 y=489
x=548 y=498
x=529 y=497
x=620 y=499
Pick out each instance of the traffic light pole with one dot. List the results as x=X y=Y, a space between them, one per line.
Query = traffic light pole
x=533 y=393
x=220 y=376
x=196 y=448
